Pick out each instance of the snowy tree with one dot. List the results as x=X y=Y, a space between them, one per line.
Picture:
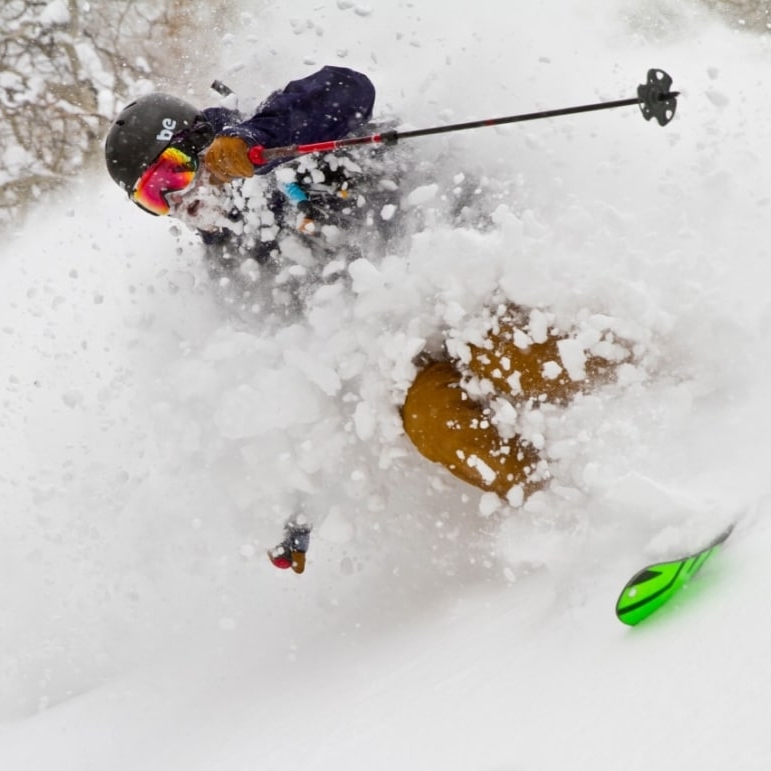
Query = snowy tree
x=65 y=66
x=753 y=14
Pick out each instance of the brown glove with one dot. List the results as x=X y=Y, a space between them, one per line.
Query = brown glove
x=227 y=158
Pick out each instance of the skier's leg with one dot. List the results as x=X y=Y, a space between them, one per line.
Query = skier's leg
x=450 y=428
x=518 y=366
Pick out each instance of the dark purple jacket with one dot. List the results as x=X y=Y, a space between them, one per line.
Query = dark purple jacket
x=327 y=105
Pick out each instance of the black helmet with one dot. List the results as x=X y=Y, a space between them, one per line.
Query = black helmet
x=144 y=129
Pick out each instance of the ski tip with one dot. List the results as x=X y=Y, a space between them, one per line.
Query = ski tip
x=653 y=586
x=723 y=536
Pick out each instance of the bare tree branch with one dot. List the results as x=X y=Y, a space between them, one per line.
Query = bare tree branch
x=66 y=66
x=751 y=14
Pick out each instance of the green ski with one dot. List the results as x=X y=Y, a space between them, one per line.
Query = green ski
x=656 y=584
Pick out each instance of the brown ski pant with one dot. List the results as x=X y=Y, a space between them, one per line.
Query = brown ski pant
x=449 y=427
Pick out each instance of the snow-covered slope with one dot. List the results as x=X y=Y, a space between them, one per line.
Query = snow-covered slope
x=153 y=440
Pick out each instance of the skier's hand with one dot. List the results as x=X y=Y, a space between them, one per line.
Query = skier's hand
x=227 y=158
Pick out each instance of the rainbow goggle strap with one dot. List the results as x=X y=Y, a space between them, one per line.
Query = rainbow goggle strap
x=171 y=172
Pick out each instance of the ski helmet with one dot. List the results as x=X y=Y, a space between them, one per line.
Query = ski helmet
x=144 y=129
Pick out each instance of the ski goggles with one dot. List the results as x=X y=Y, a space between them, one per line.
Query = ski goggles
x=172 y=172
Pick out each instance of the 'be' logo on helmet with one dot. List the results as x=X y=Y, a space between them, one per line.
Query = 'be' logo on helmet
x=167 y=132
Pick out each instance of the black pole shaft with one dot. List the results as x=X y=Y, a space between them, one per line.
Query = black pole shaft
x=517 y=118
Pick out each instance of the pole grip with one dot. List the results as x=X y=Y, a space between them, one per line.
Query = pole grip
x=257 y=155
x=260 y=155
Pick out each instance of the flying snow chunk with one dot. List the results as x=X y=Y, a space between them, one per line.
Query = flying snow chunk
x=718 y=98
x=522 y=340
x=516 y=496
x=72 y=398
x=276 y=401
x=324 y=376
x=364 y=421
x=336 y=528
x=573 y=358
x=489 y=503
x=422 y=194
x=365 y=275
x=481 y=468
x=538 y=326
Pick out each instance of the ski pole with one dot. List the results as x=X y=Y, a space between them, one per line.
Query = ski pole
x=653 y=97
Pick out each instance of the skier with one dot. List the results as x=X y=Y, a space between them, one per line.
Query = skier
x=173 y=158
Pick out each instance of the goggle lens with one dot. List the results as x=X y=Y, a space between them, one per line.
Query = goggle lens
x=172 y=172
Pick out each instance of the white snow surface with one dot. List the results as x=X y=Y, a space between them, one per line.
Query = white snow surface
x=153 y=442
